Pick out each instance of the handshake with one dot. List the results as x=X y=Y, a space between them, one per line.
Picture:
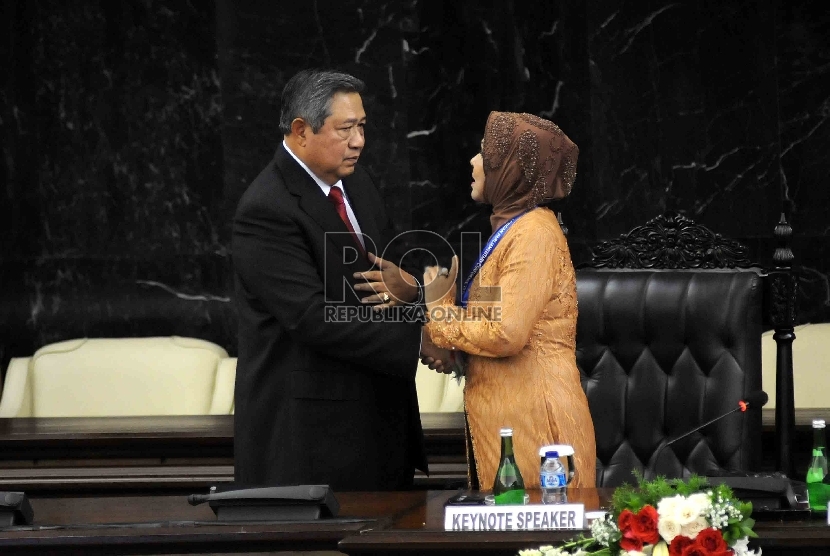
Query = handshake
x=439 y=359
x=439 y=284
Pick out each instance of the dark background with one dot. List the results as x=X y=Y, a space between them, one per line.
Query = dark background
x=130 y=128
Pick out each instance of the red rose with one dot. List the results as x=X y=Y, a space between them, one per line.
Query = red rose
x=630 y=543
x=711 y=540
x=630 y=540
x=695 y=550
x=624 y=521
x=678 y=544
x=644 y=525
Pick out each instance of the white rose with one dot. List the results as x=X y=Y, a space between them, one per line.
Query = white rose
x=686 y=512
x=668 y=528
x=667 y=507
x=694 y=527
x=701 y=500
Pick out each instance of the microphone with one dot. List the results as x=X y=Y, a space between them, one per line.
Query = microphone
x=196 y=499
x=757 y=398
x=15 y=509
x=278 y=503
x=754 y=399
x=301 y=493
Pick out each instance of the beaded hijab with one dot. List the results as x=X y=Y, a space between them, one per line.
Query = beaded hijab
x=527 y=161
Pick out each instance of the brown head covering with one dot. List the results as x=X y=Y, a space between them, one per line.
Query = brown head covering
x=527 y=161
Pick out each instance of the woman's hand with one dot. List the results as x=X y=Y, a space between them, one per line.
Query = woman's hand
x=436 y=358
x=439 y=283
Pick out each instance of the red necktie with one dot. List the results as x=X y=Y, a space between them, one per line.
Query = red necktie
x=336 y=198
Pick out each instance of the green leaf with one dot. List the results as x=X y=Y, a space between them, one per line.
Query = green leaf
x=634 y=497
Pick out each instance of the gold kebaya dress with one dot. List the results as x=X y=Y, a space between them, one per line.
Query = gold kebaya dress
x=521 y=370
x=519 y=325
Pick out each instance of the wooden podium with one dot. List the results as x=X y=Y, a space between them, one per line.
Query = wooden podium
x=368 y=524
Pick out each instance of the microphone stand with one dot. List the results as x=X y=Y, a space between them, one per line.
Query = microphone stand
x=768 y=492
x=651 y=470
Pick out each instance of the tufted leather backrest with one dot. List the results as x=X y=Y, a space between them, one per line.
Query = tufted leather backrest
x=663 y=351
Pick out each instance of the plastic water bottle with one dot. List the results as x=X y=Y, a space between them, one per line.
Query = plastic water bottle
x=552 y=479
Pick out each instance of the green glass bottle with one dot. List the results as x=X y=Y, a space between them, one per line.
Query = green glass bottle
x=509 y=487
x=816 y=489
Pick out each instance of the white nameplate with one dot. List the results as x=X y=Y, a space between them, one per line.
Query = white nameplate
x=533 y=517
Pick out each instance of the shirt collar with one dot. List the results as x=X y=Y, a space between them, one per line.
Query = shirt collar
x=323 y=185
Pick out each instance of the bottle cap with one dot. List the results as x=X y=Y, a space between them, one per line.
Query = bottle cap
x=551 y=454
x=563 y=449
x=506 y=431
x=818 y=423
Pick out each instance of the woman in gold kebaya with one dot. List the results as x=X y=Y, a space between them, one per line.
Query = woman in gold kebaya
x=521 y=364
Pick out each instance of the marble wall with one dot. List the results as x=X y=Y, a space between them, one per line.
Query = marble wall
x=130 y=129
x=716 y=110
x=112 y=219
x=803 y=67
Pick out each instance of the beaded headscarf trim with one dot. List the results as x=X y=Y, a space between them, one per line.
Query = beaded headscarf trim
x=544 y=153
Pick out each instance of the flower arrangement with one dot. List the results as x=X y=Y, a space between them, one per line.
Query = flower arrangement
x=666 y=517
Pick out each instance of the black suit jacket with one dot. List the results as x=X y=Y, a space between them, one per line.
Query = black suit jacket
x=317 y=402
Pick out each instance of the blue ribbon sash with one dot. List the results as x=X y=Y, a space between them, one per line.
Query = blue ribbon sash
x=485 y=253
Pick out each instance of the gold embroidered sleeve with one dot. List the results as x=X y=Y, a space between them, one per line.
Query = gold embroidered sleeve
x=526 y=270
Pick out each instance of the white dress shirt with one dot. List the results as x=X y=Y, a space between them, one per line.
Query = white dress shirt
x=326 y=188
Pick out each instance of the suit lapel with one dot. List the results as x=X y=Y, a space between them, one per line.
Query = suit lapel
x=314 y=203
x=360 y=199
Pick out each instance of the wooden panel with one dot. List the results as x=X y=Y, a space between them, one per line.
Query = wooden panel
x=183 y=453
x=180 y=453
x=368 y=523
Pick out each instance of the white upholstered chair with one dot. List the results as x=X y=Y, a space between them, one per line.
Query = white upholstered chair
x=811 y=366
x=92 y=377
x=438 y=392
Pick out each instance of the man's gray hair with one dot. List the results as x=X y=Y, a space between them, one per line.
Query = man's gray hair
x=308 y=95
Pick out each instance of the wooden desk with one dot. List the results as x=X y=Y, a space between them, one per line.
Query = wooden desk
x=174 y=453
x=115 y=452
x=368 y=524
x=183 y=453
x=167 y=524
x=420 y=531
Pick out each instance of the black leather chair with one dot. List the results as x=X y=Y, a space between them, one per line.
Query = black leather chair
x=668 y=338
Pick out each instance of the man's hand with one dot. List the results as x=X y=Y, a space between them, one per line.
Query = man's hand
x=389 y=284
x=437 y=359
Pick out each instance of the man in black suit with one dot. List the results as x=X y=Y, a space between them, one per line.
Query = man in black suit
x=325 y=394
